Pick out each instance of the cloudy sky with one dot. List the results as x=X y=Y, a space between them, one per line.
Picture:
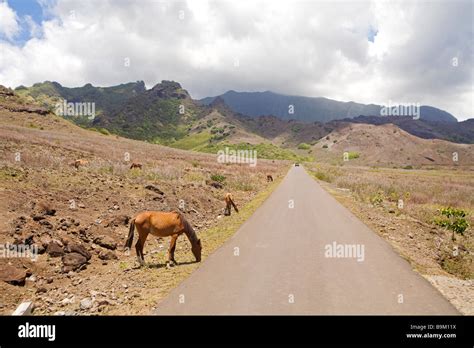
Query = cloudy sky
x=365 y=51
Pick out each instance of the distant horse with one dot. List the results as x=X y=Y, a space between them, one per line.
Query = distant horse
x=269 y=178
x=228 y=204
x=79 y=162
x=162 y=224
x=136 y=165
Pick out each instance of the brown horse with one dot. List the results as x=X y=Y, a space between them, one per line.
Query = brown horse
x=229 y=203
x=162 y=224
x=79 y=162
x=269 y=178
x=136 y=165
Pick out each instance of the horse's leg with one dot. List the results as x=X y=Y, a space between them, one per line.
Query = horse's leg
x=139 y=249
x=171 y=259
x=140 y=244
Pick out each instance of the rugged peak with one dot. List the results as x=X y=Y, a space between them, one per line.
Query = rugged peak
x=218 y=102
x=169 y=89
x=5 y=92
x=52 y=83
x=140 y=86
x=220 y=105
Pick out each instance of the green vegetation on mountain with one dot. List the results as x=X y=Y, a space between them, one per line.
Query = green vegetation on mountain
x=195 y=141
x=163 y=114
x=106 y=99
x=263 y=150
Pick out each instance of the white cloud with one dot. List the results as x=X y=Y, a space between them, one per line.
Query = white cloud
x=9 y=26
x=33 y=28
x=303 y=47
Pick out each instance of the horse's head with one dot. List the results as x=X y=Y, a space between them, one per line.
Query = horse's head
x=196 y=249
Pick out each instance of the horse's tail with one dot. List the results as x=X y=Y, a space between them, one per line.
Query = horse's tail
x=128 y=243
x=233 y=204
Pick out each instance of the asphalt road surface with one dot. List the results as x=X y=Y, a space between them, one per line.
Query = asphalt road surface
x=302 y=252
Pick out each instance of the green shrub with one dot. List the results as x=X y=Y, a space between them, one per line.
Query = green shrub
x=323 y=176
x=218 y=177
x=304 y=146
x=215 y=130
x=104 y=131
x=353 y=155
x=452 y=219
x=378 y=198
x=296 y=128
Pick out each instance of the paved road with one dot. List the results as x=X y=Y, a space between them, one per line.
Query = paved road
x=283 y=266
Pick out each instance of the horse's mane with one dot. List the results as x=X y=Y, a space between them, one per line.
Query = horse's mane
x=188 y=229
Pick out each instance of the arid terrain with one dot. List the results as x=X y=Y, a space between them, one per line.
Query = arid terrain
x=66 y=211
x=78 y=216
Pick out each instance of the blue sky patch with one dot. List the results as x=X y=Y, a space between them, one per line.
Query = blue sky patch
x=25 y=9
x=371 y=34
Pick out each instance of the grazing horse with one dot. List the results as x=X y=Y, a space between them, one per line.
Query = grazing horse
x=79 y=162
x=162 y=224
x=228 y=203
x=136 y=165
x=269 y=178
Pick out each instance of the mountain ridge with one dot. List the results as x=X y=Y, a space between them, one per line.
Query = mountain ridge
x=166 y=114
x=310 y=109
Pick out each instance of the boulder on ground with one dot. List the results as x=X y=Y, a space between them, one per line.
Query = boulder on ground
x=107 y=255
x=106 y=242
x=13 y=275
x=119 y=220
x=80 y=249
x=73 y=261
x=54 y=249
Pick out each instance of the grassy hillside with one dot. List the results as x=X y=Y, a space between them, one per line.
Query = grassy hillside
x=202 y=142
